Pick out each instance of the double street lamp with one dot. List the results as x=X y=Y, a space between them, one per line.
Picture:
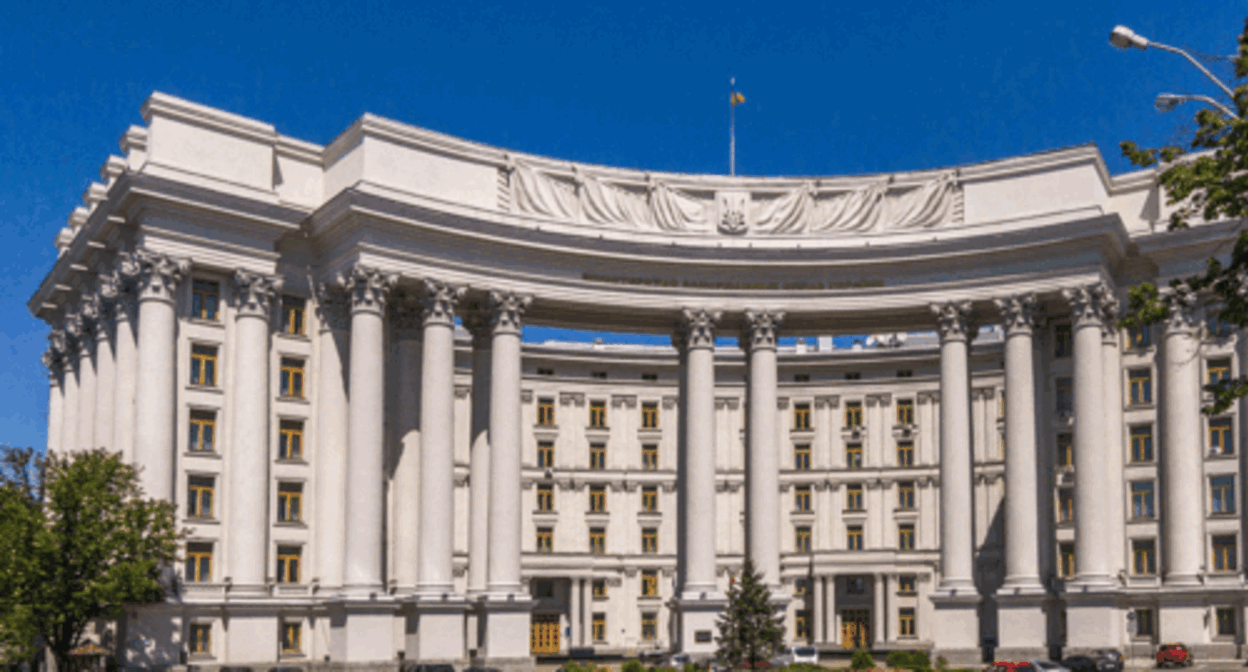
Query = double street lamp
x=1125 y=38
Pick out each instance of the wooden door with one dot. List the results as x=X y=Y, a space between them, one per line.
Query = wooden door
x=544 y=634
x=856 y=628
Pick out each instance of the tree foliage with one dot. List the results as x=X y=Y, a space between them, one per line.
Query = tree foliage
x=749 y=629
x=78 y=542
x=1206 y=180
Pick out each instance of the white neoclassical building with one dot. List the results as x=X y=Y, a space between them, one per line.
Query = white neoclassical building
x=315 y=352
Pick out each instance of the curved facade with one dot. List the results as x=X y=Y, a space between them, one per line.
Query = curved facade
x=315 y=352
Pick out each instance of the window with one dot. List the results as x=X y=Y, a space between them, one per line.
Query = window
x=291 y=381
x=801 y=539
x=1217 y=370
x=800 y=628
x=650 y=415
x=597 y=499
x=205 y=295
x=649 y=376
x=801 y=498
x=853 y=497
x=1225 y=616
x=289 y=502
x=855 y=585
x=853 y=375
x=544 y=538
x=601 y=375
x=905 y=411
x=650 y=499
x=905 y=622
x=598 y=414
x=600 y=589
x=545 y=454
x=288 y=564
x=1144 y=624
x=546 y=411
x=853 y=538
x=600 y=626
x=1220 y=442
x=905 y=584
x=543 y=588
x=1143 y=556
x=598 y=456
x=203 y=365
x=1066 y=451
x=1065 y=395
x=801 y=416
x=545 y=498
x=801 y=587
x=1142 y=443
x=801 y=457
x=203 y=430
x=545 y=372
x=1065 y=505
x=199 y=639
x=649 y=540
x=1141 y=383
x=1140 y=337
x=853 y=456
x=199 y=496
x=1222 y=490
x=292 y=314
x=1063 y=341
x=649 y=626
x=853 y=414
x=292 y=636
x=905 y=454
x=801 y=377
x=650 y=457
x=1218 y=327
x=290 y=440
x=905 y=495
x=1142 y=499
x=905 y=537
x=905 y=373
x=649 y=583
x=198 y=562
x=1066 y=560
x=1224 y=553
x=597 y=540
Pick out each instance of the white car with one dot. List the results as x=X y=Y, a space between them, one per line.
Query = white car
x=1048 y=666
x=797 y=655
x=678 y=660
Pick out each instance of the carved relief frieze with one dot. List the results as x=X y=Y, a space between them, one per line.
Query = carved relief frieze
x=828 y=401
x=462 y=391
x=569 y=398
x=623 y=401
x=526 y=396
x=669 y=403
x=881 y=399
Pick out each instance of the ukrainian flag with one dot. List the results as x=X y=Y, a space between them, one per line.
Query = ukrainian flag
x=736 y=99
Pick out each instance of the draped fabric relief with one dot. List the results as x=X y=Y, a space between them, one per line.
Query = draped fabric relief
x=859 y=210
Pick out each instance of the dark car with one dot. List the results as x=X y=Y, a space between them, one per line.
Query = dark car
x=1169 y=655
x=1108 y=660
x=1081 y=664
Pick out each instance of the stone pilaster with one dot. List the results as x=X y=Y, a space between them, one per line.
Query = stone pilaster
x=107 y=290
x=126 y=352
x=159 y=276
x=333 y=342
x=1181 y=460
x=762 y=464
x=1115 y=440
x=89 y=318
x=54 y=361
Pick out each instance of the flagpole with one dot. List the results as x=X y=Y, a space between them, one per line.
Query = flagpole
x=732 y=127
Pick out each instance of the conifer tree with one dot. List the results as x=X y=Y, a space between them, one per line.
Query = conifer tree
x=749 y=629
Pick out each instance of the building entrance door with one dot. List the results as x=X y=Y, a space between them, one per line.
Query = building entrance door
x=544 y=634
x=855 y=628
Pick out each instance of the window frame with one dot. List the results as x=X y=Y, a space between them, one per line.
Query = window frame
x=289 y=564
x=1141 y=443
x=597 y=499
x=1144 y=552
x=545 y=498
x=199 y=555
x=853 y=537
x=650 y=499
x=905 y=411
x=198 y=420
x=801 y=498
x=291 y=378
x=294 y=315
x=598 y=456
x=801 y=539
x=1223 y=549
x=1066 y=560
x=905 y=495
x=649 y=415
x=545 y=412
x=289 y=502
x=544 y=539
x=650 y=540
x=199 y=486
x=197 y=645
x=854 y=497
x=199 y=293
x=290 y=440
x=598 y=415
x=853 y=414
x=650 y=456
x=1147 y=499
x=649 y=583
x=853 y=456
x=801 y=457
x=1222 y=495
x=1221 y=435
x=905 y=453
x=545 y=454
x=291 y=645
x=597 y=540
x=801 y=417
x=1140 y=386
x=204 y=360
x=905 y=537
x=906 y=619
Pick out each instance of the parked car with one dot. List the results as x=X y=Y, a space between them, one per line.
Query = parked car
x=796 y=654
x=1108 y=660
x=1048 y=666
x=678 y=660
x=1169 y=655
x=1081 y=664
x=1007 y=666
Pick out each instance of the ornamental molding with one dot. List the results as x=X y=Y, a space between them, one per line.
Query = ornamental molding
x=881 y=399
x=984 y=393
x=462 y=391
x=1020 y=313
x=367 y=288
x=526 y=396
x=332 y=309
x=159 y=275
x=760 y=329
x=954 y=320
x=439 y=301
x=254 y=293
x=569 y=398
x=782 y=403
x=730 y=403
x=1111 y=310
x=461 y=480
x=623 y=400
x=928 y=396
x=668 y=486
x=1085 y=304
x=1184 y=315
x=828 y=401
x=669 y=402
x=507 y=311
x=696 y=329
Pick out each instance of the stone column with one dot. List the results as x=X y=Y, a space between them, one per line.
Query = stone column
x=69 y=381
x=816 y=616
x=956 y=599
x=405 y=319
x=126 y=352
x=699 y=600
x=333 y=321
x=574 y=613
x=440 y=611
x=880 y=610
x=477 y=322
x=762 y=467
x=105 y=374
x=156 y=387
x=53 y=359
x=830 y=632
x=1115 y=441
x=89 y=311
x=248 y=475
x=1181 y=459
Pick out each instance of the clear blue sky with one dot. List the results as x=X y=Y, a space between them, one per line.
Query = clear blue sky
x=831 y=88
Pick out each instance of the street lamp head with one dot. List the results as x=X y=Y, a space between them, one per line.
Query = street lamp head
x=1168 y=101
x=1123 y=37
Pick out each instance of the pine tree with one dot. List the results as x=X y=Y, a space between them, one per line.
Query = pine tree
x=749 y=629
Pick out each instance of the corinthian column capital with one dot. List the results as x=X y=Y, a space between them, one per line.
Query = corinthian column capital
x=760 y=329
x=1085 y=304
x=954 y=320
x=1019 y=312
x=75 y=328
x=1184 y=307
x=367 y=288
x=1110 y=309
x=507 y=311
x=332 y=312
x=440 y=300
x=254 y=293
x=159 y=275
x=696 y=328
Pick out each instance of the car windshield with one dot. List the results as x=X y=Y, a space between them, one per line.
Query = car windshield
x=1045 y=665
x=805 y=650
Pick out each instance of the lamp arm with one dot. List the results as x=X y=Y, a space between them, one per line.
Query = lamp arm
x=1175 y=50
x=1215 y=104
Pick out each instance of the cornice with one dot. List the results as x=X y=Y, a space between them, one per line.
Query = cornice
x=209 y=117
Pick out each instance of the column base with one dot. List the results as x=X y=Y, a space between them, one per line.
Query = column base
x=1022 y=624
x=1093 y=621
x=368 y=634
x=955 y=626
x=440 y=628
x=696 y=620
x=507 y=621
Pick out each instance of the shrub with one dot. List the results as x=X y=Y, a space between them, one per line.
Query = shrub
x=571 y=666
x=806 y=667
x=690 y=667
x=633 y=665
x=861 y=660
x=942 y=663
x=918 y=661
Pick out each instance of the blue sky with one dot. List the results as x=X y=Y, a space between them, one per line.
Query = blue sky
x=831 y=88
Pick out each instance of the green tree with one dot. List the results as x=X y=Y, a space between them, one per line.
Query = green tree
x=749 y=629
x=78 y=542
x=1208 y=179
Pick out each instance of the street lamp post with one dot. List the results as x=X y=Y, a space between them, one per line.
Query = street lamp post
x=1125 y=38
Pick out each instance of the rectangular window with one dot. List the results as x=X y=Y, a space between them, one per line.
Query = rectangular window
x=204 y=365
x=650 y=457
x=600 y=375
x=205 y=297
x=801 y=587
x=1142 y=499
x=800 y=628
x=650 y=415
x=905 y=411
x=1217 y=327
x=853 y=497
x=650 y=499
x=198 y=562
x=1066 y=451
x=600 y=626
x=545 y=537
x=1066 y=560
x=1225 y=616
x=597 y=540
x=1145 y=626
x=649 y=376
x=545 y=498
x=199 y=496
x=853 y=538
x=905 y=537
x=649 y=540
x=1063 y=341
x=598 y=414
x=288 y=564
x=546 y=411
x=1220 y=442
x=292 y=314
x=1217 y=370
x=905 y=454
x=801 y=539
x=1140 y=337
x=597 y=499
x=203 y=431
x=545 y=372
x=905 y=495
x=1142 y=443
x=905 y=373
x=905 y=622
x=649 y=583
x=545 y=454
x=289 y=502
x=1065 y=395
x=1066 y=505
x=853 y=456
x=801 y=416
x=598 y=456
x=801 y=457
x=199 y=639
x=600 y=589
x=1224 y=553
x=291 y=379
x=290 y=440
x=1141 y=386
x=853 y=375
x=801 y=498
x=801 y=377
x=649 y=626
x=853 y=414
x=905 y=584
x=1143 y=557
x=1222 y=491
x=292 y=637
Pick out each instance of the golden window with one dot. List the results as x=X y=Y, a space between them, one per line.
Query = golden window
x=598 y=414
x=597 y=540
x=289 y=502
x=649 y=540
x=198 y=562
x=649 y=415
x=199 y=497
x=801 y=416
x=597 y=499
x=545 y=498
x=1222 y=494
x=598 y=456
x=905 y=412
x=545 y=454
x=1142 y=443
x=1064 y=393
x=1144 y=623
x=1142 y=499
x=1143 y=556
x=801 y=587
x=1065 y=450
x=1220 y=441
x=203 y=365
x=544 y=538
x=290 y=440
x=650 y=457
x=801 y=457
x=800 y=628
x=1063 y=341
x=1140 y=336
x=545 y=411
x=600 y=589
x=288 y=558
x=801 y=498
x=650 y=499
x=905 y=584
x=853 y=497
x=649 y=626
x=1224 y=553
x=801 y=539
x=292 y=314
x=905 y=537
x=853 y=456
x=1217 y=371
x=853 y=538
x=905 y=454
x=600 y=626
x=1141 y=386
x=853 y=414
x=905 y=622
x=199 y=639
x=292 y=637
x=1066 y=560
x=1065 y=505
x=905 y=495
x=1225 y=617
x=291 y=380
x=649 y=583
x=203 y=431
x=205 y=297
